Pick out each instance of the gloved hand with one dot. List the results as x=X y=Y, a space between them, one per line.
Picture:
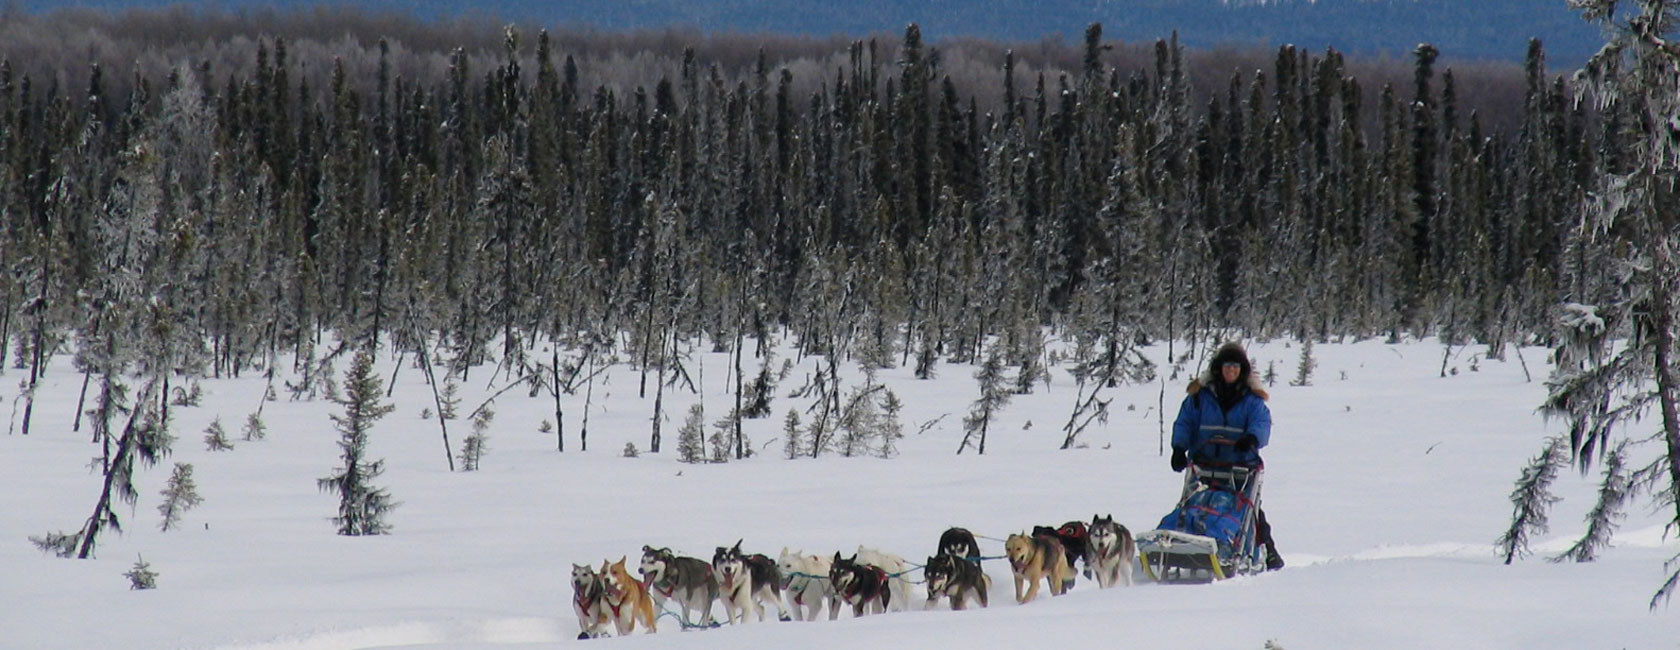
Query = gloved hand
x=1246 y=443
x=1179 y=460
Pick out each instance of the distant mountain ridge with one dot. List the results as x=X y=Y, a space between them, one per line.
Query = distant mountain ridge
x=1461 y=29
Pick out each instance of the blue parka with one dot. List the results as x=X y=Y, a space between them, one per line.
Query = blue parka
x=1200 y=419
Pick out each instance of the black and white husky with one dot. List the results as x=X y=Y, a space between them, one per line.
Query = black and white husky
x=747 y=581
x=957 y=578
x=958 y=542
x=687 y=580
x=859 y=584
x=1109 y=552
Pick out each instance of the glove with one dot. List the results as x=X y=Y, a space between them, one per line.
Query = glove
x=1246 y=443
x=1179 y=460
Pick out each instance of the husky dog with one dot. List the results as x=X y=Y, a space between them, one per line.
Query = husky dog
x=588 y=592
x=1073 y=536
x=896 y=568
x=747 y=581
x=805 y=582
x=859 y=584
x=627 y=600
x=1110 y=552
x=958 y=542
x=956 y=577
x=687 y=580
x=1034 y=558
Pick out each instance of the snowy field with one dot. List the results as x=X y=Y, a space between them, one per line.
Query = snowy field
x=1387 y=485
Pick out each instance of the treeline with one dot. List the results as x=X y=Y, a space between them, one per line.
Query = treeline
x=205 y=205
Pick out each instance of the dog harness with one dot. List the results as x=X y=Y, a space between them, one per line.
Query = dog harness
x=587 y=596
x=857 y=587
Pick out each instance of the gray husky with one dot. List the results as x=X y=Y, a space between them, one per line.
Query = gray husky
x=1109 y=552
x=687 y=580
x=956 y=577
x=588 y=596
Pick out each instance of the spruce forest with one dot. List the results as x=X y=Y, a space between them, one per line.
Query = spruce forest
x=190 y=195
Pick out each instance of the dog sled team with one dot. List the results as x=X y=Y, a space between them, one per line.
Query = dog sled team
x=1216 y=530
x=799 y=586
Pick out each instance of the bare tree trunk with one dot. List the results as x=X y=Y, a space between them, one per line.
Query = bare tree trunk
x=588 y=402
x=1663 y=306
x=559 y=422
x=437 y=399
x=81 y=402
x=35 y=368
x=740 y=386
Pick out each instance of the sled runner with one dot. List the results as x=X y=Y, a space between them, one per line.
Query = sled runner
x=1211 y=534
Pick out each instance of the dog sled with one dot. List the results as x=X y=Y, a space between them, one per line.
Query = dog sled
x=1211 y=534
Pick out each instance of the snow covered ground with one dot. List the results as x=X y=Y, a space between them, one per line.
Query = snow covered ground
x=1387 y=486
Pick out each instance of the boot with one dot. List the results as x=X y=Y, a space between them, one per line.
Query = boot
x=1273 y=560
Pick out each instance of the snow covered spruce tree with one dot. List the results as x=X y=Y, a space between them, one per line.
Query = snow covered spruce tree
x=179 y=496
x=361 y=506
x=1618 y=342
x=994 y=395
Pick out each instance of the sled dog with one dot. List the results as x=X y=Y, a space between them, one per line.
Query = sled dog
x=859 y=584
x=1035 y=558
x=588 y=594
x=896 y=569
x=627 y=600
x=805 y=582
x=747 y=581
x=687 y=580
x=1073 y=537
x=958 y=542
x=1109 y=552
x=956 y=577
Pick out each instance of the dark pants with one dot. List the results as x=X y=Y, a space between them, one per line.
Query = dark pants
x=1264 y=530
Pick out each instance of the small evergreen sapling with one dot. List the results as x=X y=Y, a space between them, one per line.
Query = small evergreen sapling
x=761 y=391
x=179 y=496
x=691 y=444
x=1304 y=370
x=60 y=543
x=892 y=428
x=993 y=397
x=190 y=396
x=1533 y=498
x=362 y=508
x=792 y=439
x=722 y=439
x=254 y=427
x=215 y=438
x=450 y=400
x=141 y=576
x=478 y=442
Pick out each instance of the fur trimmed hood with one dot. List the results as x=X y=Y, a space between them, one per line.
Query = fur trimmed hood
x=1229 y=352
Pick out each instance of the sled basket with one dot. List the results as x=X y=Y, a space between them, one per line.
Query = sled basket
x=1219 y=501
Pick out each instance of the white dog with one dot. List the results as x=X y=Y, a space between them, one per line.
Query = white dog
x=896 y=569
x=805 y=582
